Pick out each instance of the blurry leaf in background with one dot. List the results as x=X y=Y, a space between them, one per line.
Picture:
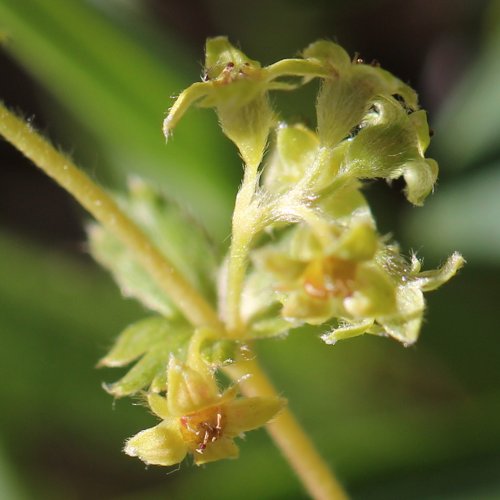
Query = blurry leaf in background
x=119 y=86
x=10 y=485
x=470 y=118
x=464 y=216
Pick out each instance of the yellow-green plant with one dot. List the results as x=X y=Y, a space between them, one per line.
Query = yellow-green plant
x=304 y=250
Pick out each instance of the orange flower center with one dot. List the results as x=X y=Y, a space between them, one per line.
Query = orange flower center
x=329 y=277
x=203 y=427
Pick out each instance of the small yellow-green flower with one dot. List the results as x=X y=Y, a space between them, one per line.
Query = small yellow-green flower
x=197 y=419
x=337 y=277
x=237 y=87
x=366 y=286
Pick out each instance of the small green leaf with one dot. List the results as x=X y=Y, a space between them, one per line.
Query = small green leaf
x=155 y=339
x=135 y=340
x=129 y=275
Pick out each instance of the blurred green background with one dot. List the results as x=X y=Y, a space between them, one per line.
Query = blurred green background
x=97 y=76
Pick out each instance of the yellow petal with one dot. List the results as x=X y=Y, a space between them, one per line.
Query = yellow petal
x=160 y=445
x=189 y=390
x=218 y=450
x=246 y=414
x=158 y=405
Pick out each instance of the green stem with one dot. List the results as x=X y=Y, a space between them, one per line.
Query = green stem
x=286 y=432
x=245 y=225
x=106 y=211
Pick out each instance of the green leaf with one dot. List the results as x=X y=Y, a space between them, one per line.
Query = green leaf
x=155 y=339
x=175 y=235
x=128 y=274
x=135 y=340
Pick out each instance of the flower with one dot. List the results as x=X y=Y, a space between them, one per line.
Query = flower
x=197 y=419
x=237 y=87
x=355 y=279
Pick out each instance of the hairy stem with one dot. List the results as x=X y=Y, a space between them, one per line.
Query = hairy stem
x=245 y=222
x=286 y=432
x=105 y=210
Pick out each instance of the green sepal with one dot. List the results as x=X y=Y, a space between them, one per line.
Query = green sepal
x=374 y=293
x=346 y=96
x=294 y=152
x=175 y=235
x=430 y=280
x=239 y=94
x=248 y=126
x=347 y=330
x=220 y=352
x=389 y=145
x=270 y=326
x=405 y=325
x=154 y=340
x=420 y=177
x=341 y=105
x=328 y=53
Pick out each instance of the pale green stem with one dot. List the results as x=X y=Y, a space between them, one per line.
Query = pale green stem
x=105 y=210
x=286 y=432
x=245 y=225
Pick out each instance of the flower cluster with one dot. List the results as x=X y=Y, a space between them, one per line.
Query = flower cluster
x=305 y=246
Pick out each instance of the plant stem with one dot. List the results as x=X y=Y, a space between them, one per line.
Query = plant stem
x=245 y=222
x=286 y=432
x=106 y=211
